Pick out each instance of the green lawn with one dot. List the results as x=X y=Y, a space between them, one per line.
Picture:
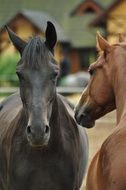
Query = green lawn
x=8 y=75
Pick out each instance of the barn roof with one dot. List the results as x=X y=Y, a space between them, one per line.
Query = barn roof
x=105 y=3
x=79 y=31
x=39 y=19
x=103 y=16
x=76 y=29
x=85 y=5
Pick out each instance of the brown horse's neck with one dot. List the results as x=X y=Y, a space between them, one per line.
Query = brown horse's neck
x=120 y=92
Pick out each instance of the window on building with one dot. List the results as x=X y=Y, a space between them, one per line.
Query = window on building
x=86 y=56
x=89 y=10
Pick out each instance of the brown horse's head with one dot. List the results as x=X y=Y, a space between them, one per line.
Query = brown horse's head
x=98 y=98
x=37 y=72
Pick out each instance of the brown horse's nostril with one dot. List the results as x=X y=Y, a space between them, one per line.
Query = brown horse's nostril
x=76 y=115
x=82 y=116
x=46 y=129
x=28 y=129
x=79 y=117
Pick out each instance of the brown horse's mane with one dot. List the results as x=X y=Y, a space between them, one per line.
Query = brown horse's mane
x=102 y=56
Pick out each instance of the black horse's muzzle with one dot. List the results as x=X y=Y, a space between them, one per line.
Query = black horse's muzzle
x=38 y=136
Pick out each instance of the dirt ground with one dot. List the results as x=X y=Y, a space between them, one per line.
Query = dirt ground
x=99 y=133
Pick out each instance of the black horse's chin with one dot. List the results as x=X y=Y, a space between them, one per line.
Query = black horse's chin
x=38 y=146
x=41 y=143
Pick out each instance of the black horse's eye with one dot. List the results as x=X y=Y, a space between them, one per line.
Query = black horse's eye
x=54 y=75
x=20 y=75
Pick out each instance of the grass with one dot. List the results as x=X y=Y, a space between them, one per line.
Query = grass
x=8 y=75
x=4 y=94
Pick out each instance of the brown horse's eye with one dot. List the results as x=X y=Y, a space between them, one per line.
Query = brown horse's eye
x=105 y=54
x=91 y=71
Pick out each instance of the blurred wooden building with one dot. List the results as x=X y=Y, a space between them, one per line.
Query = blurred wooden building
x=76 y=24
x=27 y=24
x=113 y=20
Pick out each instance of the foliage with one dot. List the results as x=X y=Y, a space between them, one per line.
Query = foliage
x=8 y=75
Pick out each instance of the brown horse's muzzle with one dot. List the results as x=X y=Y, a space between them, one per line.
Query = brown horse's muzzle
x=84 y=119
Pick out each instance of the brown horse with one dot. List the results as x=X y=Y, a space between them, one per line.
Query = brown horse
x=41 y=145
x=105 y=92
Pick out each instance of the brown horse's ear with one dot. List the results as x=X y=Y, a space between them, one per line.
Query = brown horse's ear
x=121 y=38
x=17 y=42
x=102 y=44
x=51 y=36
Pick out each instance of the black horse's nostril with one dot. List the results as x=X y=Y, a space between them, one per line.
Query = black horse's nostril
x=38 y=134
x=28 y=129
x=46 y=129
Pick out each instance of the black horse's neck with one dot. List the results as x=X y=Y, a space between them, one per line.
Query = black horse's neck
x=61 y=123
x=55 y=124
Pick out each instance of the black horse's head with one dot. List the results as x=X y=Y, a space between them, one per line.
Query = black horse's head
x=37 y=72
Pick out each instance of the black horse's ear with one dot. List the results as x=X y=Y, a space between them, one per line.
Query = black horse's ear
x=17 y=42
x=51 y=36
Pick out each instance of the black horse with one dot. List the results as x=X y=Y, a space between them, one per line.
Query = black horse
x=41 y=145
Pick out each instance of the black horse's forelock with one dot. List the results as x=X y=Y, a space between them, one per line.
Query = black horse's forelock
x=35 y=53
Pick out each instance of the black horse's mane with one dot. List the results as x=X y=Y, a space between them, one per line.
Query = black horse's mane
x=35 y=52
